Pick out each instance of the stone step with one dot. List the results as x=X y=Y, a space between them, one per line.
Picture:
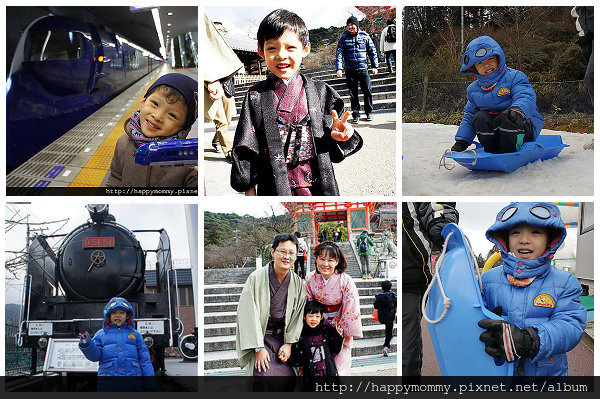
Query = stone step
x=228 y=330
x=231 y=317
x=367 y=295
x=360 y=364
x=227 y=357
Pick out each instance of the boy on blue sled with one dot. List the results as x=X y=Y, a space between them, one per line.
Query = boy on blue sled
x=501 y=105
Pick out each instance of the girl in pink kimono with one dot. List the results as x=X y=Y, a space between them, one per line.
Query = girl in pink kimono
x=339 y=295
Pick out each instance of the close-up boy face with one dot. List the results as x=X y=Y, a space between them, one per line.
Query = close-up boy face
x=284 y=54
x=118 y=317
x=313 y=319
x=158 y=118
x=527 y=241
x=352 y=28
x=487 y=66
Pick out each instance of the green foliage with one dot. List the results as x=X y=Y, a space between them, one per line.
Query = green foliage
x=554 y=34
x=570 y=65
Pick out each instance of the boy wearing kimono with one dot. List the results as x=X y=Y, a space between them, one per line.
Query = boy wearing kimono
x=289 y=133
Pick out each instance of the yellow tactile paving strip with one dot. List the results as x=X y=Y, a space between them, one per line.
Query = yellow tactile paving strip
x=95 y=169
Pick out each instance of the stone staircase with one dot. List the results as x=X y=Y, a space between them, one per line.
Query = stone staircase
x=220 y=305
x=383 y=87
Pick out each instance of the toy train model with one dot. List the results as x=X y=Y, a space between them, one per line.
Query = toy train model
x=168 y=153
x=63 y=70
x=66 y=291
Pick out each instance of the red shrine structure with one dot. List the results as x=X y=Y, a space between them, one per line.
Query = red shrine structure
x=354 y=216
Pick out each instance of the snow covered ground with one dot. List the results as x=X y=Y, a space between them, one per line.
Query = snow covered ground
x=423 y=144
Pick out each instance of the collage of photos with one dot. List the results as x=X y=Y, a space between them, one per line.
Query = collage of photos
x=490 y=162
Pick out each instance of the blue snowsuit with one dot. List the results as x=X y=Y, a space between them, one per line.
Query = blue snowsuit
x=120 y=352
x=512 y=89
x=550 y=303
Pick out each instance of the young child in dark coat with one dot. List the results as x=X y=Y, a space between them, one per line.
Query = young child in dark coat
x=386 y=303
x=314 y=352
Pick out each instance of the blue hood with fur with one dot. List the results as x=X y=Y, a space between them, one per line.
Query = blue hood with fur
x=541 y=214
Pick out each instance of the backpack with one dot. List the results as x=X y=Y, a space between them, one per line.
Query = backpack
x=362 y=247
x=390 y=35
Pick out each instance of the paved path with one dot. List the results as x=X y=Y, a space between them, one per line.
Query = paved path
x=371 y=171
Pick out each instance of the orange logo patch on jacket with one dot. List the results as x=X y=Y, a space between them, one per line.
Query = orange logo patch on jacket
x=131 y=336
x=503 y=91
x=544 y=301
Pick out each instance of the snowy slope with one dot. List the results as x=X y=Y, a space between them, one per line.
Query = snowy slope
x=423 y=144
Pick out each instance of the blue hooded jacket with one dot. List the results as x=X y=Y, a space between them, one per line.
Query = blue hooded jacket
x=120 y=352
x=503 y=88
x=550 y=303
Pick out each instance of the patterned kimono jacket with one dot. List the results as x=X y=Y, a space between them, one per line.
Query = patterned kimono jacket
x=254 y=311
x=342 y=307
x=258 y=155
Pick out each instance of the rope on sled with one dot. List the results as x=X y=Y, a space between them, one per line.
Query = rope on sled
x=436 y=276
x=447 y=166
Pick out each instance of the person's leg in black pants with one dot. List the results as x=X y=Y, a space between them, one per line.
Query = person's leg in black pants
x=412 y=344
x=365 y=87
x=352 y=80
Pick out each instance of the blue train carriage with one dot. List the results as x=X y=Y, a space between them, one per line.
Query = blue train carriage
x=64 y=70
x=168 y=153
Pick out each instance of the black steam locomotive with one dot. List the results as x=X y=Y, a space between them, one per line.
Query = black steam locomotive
x=65 y=292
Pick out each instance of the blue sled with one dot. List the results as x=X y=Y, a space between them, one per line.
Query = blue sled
x=456 y=336
x=543 y=148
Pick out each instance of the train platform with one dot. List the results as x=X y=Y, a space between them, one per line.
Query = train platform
x=81 y=157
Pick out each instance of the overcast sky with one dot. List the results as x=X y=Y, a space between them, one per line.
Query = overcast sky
x=240 y=20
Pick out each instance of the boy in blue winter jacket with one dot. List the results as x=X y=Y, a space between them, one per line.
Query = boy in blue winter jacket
x=501 y=105
x=123 y=359
x=540 y=304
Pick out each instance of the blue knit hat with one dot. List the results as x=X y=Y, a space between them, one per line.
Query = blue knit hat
x=188 y=88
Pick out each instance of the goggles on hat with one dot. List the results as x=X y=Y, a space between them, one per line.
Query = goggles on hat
x=115 y=303
x=480 y=53
x=539 y=211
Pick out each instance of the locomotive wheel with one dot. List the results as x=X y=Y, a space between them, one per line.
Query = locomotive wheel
x=188 y=347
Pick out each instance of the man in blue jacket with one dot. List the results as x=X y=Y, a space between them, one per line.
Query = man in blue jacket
x=540 y=304
x=354 y=49
x=123 y=360
x=501 y=104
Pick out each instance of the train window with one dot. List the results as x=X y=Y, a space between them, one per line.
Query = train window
x=54 y=46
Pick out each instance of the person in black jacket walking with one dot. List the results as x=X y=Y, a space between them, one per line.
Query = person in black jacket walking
x=422 y=224
x=386 y=303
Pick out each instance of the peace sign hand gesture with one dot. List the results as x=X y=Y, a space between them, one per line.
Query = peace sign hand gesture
x=84 y=337
x=341 y=130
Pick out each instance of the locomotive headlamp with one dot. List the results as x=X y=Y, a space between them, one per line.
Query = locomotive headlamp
x=98 y=212
x=42 y=342
x=149 y=341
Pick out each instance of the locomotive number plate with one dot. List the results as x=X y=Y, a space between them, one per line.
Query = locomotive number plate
x=151 y=326
x=40 y=329
x=99 y=242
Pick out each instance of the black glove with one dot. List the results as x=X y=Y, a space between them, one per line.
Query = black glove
x=508 y=341
x=515 y=114
x=459 y=146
